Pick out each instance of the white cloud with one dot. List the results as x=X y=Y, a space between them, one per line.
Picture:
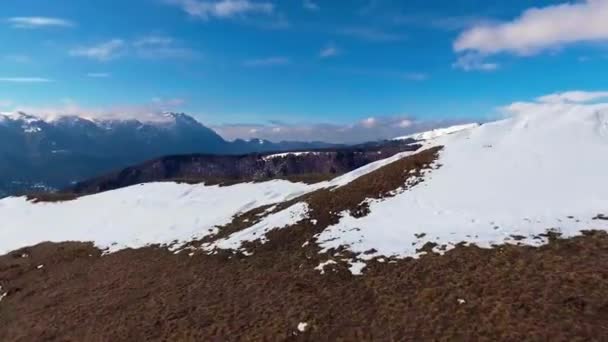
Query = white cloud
x=575 y=96
x=368 y=129
x=146 y=112
x=330 y=50
x=102 y=52
x=38 y=22
x=161 y=47
x=5 y=103
x=310 y=5
x=148 y=47
x=405 y=123
x=371 y=34
x=369 y=122
x=98 y=75
x=267 y=62
x=153 y=40
x=222 y=9
x=25 y=79
x=538 y=29
x=569 y=101
x=386 y=73
x=474 y=62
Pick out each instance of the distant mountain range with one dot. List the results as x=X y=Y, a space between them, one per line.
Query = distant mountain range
x=40 y=153
x=304 y=166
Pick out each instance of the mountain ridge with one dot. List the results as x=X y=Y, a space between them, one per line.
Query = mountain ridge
x=485 y=229
x=55 y=151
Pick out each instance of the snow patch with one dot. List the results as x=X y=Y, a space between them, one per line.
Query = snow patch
x=136 y=216
x=278 y=220
x=356 y=267
x=321 y=267
x=286 y=154
x=439 y=132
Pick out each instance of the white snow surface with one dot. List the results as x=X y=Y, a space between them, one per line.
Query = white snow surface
x=438 y=132
x=281 y=219
x=136 y=216
x=543 y=168
x=285 y=154
x=364 y=170
x=321 y=266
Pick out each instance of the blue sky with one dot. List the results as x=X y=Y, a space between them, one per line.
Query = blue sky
x=239 y=64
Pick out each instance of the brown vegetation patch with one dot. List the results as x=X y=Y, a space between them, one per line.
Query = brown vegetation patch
x=327 y=205
x=51 y=197
x=556 y=292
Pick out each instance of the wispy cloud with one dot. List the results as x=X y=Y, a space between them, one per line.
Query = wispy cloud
x=5 y=103
x=153 y=40
x=571 y=101
x=101 y=52
x=330 y=50
x=311 y=5
x=538 y=29
x=38 y=22
x=25 y=79
x=161 y=47
x=267 y=62
x=474 y=62
x=386 y=73
x=151 y=111
x=371 y=34
x=438 y=22
x=222 y=9
x=148 y=47
x=574 y=96
x=367 y=129
x=99 y=75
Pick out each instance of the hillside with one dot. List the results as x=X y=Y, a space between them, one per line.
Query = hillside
x=308 y=166
x=495 y=231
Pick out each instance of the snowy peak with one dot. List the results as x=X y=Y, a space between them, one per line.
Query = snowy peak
x=28 y=123
x=161 y=119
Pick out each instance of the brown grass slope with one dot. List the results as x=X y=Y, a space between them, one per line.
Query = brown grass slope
x=557 y=292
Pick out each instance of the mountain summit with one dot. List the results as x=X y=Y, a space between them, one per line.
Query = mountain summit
x=53 y=151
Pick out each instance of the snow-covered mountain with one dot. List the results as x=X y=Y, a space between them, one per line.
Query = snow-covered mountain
x=55 y=151
x=460 y=237
x=506 y=182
